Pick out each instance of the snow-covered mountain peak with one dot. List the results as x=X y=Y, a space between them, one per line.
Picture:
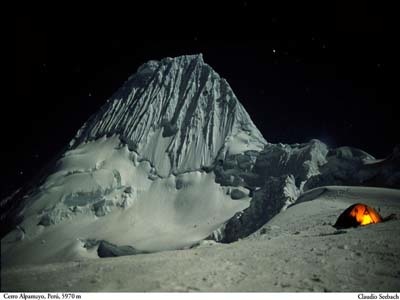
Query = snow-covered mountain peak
x=134 y=173
x=152 y=66
x=178 y=114
x=171 y=159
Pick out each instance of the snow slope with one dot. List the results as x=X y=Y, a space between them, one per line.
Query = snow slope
x=99 y=192
x=298 y=250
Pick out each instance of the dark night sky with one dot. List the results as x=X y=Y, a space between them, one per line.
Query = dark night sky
x=301 y=72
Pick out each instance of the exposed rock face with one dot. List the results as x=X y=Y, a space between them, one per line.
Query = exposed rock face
x=275 y=176
x=275 y=194
x=106 y=249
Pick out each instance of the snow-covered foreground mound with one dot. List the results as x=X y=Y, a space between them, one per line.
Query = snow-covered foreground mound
x=102 y=192
x=298 y=250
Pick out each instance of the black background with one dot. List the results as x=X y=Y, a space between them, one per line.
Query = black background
x=301 y=71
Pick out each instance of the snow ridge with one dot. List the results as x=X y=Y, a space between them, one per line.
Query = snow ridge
x=178 y=113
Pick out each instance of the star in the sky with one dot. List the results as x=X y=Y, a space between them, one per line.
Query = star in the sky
x=44 y=68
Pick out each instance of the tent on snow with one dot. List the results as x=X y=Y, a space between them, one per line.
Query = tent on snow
x=356 y=215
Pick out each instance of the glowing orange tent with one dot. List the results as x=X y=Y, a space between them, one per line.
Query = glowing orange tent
x=356 y=215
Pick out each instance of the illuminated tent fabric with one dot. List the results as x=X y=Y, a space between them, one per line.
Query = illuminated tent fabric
x=356 y=215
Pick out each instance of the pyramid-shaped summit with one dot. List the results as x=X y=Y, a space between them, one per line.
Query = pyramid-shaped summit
x=178 y=114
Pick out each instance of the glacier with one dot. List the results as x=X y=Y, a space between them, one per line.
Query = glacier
x=170 y=160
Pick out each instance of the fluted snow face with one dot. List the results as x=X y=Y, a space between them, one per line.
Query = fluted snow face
x=178 y=113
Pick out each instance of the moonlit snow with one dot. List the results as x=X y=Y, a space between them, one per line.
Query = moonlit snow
x=170 y=167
